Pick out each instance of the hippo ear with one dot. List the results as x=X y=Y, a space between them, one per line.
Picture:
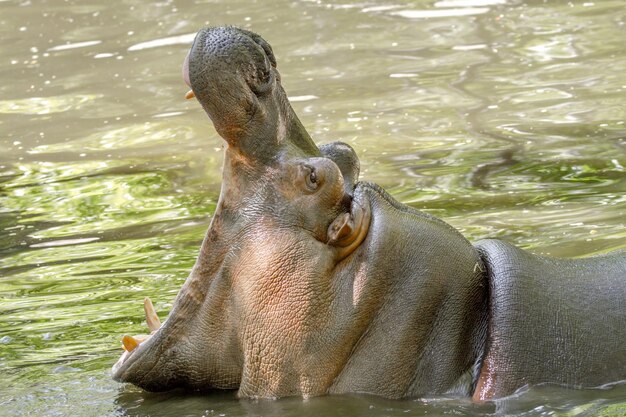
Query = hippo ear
x=349 y=229
x=340 y=230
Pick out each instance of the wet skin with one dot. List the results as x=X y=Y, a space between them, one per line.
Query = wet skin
x=309 y=282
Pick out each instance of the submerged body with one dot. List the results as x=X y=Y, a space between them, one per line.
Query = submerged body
x=309 y=282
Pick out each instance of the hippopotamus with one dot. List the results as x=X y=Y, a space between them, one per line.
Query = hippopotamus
x=311 y=282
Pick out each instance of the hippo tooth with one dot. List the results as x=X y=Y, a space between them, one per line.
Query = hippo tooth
x=190 y=94
x=130 y=343
x=151 y=317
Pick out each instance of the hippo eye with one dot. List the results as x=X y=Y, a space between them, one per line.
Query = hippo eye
x=311 y=178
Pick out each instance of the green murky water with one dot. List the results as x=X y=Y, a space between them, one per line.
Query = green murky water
x=505 y=118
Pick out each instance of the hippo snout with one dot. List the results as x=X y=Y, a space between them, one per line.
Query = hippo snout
x=227 y=55
x=232 y=72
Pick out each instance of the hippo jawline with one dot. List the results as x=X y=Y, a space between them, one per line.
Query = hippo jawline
x=132 y=367
x=135 y=346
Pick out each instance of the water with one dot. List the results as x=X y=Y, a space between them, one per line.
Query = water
x=505 y=118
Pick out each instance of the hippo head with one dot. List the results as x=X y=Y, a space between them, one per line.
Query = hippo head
x=289 y=214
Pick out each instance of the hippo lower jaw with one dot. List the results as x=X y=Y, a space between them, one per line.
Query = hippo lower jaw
x=134 y=346
x=158 y=361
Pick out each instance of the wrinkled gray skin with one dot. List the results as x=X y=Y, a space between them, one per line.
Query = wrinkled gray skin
x=309 y=283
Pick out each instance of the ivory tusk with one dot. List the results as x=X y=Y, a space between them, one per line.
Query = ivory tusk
x=152 y=319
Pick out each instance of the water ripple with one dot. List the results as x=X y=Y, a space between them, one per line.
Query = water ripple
x=46 y=105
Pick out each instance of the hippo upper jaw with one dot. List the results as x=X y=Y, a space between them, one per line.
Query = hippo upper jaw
x=232 y=72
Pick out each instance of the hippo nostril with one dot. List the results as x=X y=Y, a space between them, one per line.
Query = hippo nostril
x=264 y=80
x=268 y=51
x=266 y=47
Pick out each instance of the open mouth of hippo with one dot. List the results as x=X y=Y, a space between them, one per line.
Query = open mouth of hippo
x=286 y=207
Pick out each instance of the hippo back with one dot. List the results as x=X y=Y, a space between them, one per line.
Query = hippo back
x=552 y=320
